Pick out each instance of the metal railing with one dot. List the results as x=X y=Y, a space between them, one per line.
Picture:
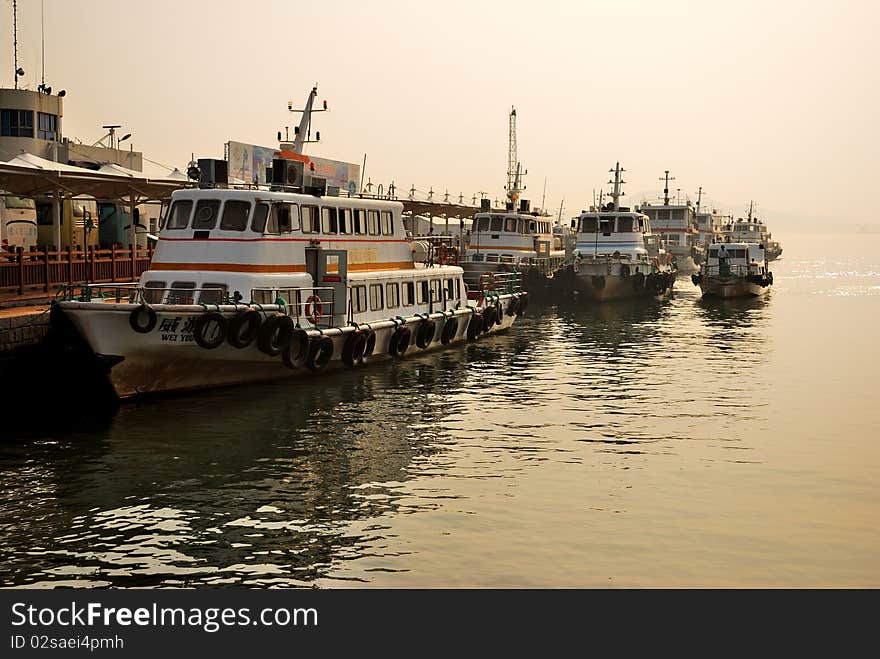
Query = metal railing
x=313 y=304
x=730 y=270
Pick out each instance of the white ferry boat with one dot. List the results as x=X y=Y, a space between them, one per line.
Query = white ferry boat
x=753 y=230
x=512 y=240
x=734 y=270
x=676 y=225
x=254 y=284
x=710 y=223
x=616 y=255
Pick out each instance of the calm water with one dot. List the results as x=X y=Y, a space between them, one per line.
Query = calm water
x=661 y=444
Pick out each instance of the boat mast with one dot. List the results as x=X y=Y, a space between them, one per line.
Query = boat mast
x=751 y=208
x=303 y=132
x=514 y=168
x=699 y=198
x=617 y=194
x=667 y=179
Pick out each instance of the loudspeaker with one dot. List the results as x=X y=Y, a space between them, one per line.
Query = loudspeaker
x=213 y=172
x=523 y=205
x=287 y=173
x=485 y=205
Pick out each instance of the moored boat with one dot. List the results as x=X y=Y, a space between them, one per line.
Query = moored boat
x=615 y=255
x=675 y=223
x=734 y=270
x=753 y=230
x=253 y=284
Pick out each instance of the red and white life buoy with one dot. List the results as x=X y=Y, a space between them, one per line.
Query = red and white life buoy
x=314 y=309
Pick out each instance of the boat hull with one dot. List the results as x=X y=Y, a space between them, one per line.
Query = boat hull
x=601 y=283
x=171 y=361
x=731 y=287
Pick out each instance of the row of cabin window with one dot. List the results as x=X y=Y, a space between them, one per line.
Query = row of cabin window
x=510 y=225
x=279 y=217
x=606 y=224
x=734 y=253
x=667 y=214
x=388 y=296
x=184 y=292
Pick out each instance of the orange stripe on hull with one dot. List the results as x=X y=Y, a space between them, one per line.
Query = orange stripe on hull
x=242 y=267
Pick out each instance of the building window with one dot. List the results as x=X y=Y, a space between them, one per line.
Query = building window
x=47 y=126
x=376 y=297
x=392 y=295
x=16 y=123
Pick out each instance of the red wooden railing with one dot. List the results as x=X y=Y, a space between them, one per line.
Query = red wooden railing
x=45 y=270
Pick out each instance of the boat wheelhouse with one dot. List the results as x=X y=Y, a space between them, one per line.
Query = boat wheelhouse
x=510 y=241
x=251 y=284
x=676 y=226
x=734 y=270
x=615 y=255
x=753 y=230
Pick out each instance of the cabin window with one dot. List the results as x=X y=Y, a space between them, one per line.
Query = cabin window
x=436 y=290
x=409 y=293
x=373 y=222
x=589 y=225
x=153 y=292
x=663 y=214
x=533 y=227
x=496 y=224
x=392 y=296
x=483 y=224
x=328 y=220
x=345 y=220
x=457 y=289
x=624 y=224
x=182 y=292
x=283 y=218
x=677 y=214
x=359 y=299
x=523 y=226
x=477 y=257
x=261 y=214
x=235 y=215
x=376 y=297
x=206 y=214
x=510 y=224
x=506 y=258
x=178 y=216
x=491 y=258
x=310 y=219
x=606 y=226
x=360 y=221
x=212 y=294
x=641 y=224
x=450 y=289
x=423 y=292
x=387 y=223
x=738 y=253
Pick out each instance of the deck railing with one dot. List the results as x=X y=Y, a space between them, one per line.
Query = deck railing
x=45 y=270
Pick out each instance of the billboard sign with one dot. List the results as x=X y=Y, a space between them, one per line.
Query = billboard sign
x=248 y=163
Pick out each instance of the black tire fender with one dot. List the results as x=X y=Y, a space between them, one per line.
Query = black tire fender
x=399 y=341
x=203 y=326
x=275 y=334
x=297 y=349
x=449 y=331
x=243 y=328
x=320 y=353
x=425 y=333
x=135 y=319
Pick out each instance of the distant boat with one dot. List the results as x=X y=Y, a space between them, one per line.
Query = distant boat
x=676 y=225
x=734 y=270
x=753 y=230
x=615 y=255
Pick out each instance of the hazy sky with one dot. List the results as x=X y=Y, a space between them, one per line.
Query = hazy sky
x=771 y=101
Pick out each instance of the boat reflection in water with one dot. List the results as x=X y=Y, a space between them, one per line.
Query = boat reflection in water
x=272 y=484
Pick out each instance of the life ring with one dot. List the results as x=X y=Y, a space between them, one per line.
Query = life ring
x=450 y=329
x=353 y=348
x=243 y=328
x=442 y=254
x=209 y=330
x=369 y=344
x=314 y=309
x=425 y=333
x=399 y=341
x=624 y=270
x=297 y=349
x=475 y=326
x=275 y=334
x=136 y=316
x=320 y=352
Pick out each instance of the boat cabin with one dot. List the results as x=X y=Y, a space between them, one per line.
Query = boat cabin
x=510 y=238
x=616 y=233
x=725 y=259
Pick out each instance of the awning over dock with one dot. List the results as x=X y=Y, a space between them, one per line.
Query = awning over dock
x=28 y=175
